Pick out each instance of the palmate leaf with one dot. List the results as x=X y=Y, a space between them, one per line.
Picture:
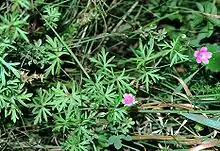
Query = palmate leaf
x=126 y=126
x=144 y=53
x=23 y=3
x=105 y=95
x=110 y=94
x=91 y=86
x=118 y=143
x=51 y=15
x=116 y=115
x=56 y=50
x=9 y=66
x=148 y=76
x=76 y=143
x=176 y=50
x=6 y=43
x=23 y=97
x=41 y=106
x=55 y=66
x=116 y=140
x=102 y=62
x=22 y=34
x=12 y=99
x=63 y=98
x=123 y=82
x=14 y=20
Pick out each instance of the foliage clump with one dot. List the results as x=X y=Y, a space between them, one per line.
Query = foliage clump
x=66 y=65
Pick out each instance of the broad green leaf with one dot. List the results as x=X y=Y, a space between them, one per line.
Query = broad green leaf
x=200 y=7
x=195 y=20
x=215 y=21
x=202 y=120
x=214 y=62
x=205 y=32
x=214 y=10
x=210 y=8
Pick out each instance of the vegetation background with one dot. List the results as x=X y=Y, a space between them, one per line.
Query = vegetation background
x=65 y=65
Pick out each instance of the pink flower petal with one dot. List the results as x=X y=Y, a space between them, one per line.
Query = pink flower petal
x=198 y=60
x=203 y=49
x=196 y=53
x=123 y=101
x=125 y=95
x=202 y=55
x=205 y=61
x=208 y=55
x=128 y=99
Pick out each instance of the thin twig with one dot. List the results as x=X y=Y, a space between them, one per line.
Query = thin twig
x=125 y=16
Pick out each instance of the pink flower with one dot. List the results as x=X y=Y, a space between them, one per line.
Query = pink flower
x=128 y=99
x=203 y=56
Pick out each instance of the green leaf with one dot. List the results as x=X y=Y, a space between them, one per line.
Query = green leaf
x=202 y=120
x=199 y=127
x=200 y=7
x=5 y=65
x=117 y=143
x=150 y=76
x=3 y=79
x=112 y=139
x=195 y=20
x=205 y=32
x=210 y=8
x=127 y=138
x=214 y=62
x=214 y=10
x=23 y=34
x=14 y=115
x=214 y=21
x=208 y=30
x=102 y=62
x=41 y=105
x=179 y=88
x=116 y=140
